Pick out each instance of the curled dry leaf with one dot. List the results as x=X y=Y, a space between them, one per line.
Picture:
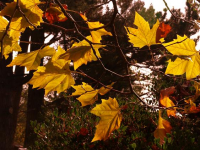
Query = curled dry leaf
x=54 y=13
x=162 y=31
x=166 y=102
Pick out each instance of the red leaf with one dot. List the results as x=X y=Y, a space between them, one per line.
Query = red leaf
x=83 y=131
x=162 y=31
x=54 y=14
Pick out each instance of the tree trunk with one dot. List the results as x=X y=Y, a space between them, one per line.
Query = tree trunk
x=10 y=93
x=35 y=97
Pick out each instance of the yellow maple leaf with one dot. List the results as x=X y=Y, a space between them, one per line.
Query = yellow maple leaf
x=52 y=78
x=162 y=129
x=143 y=35
x=111 y=118
x=32 y=60
x=183 y=46
x=9 y=43
x=166 y=102
x=81 y=53
x=103 y=90
x=87 y=94
x=55 y=58
x=19 y=23
x=96 y=35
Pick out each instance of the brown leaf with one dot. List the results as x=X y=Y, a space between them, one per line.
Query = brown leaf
x=166 y=102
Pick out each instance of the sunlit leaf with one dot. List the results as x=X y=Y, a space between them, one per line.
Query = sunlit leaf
x=81 y=53
x=87 y=94
x=10 y=44
x=33 y=59
x=19 y=23
x=185 y=47
x=111 y=118
x=103 y=90
x=55 y=58
x=143 y=35
x=96 y=35
x=52 y=78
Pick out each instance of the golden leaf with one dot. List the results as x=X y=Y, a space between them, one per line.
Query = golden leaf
x=162 y=129
x=183 y=46
x=32 y=60
x=103 y=90
x=96 y=35
x=81 y=53
x=10 y=44
x=52 y=78
x=111 y=118
x=143 y=35
x=56 y=60
x=19 y=23
x=87 y=94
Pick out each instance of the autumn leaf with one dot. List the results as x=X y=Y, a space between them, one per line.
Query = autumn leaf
x=96 y=35
x=81 y=53
x=54 y=14
x=143 y=35
x=183 y=46
x=87 y=94
x=166 y=102
x=83 y=131
x=197 y=88
x=52 y=78
x=56 y=60
x=162 y=129
x=10 y=44
x=192 y=110
x=191 y=107
x=32 y=60
x=19 y=23
x=111 y=118
x=162 y=31
x=103 y=90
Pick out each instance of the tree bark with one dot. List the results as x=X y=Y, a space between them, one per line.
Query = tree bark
x=10 y=93
x=35 y=97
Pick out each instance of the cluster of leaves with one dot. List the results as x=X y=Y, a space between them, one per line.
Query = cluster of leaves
x=74 y=129
x=57 y=76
